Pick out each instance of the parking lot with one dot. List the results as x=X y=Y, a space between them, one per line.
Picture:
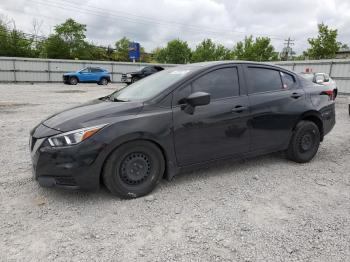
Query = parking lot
x=262 y=209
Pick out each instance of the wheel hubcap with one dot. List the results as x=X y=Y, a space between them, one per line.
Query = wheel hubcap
x=307 y=141
x=135 y=168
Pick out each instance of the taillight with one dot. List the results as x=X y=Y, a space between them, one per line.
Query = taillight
x=329 y=93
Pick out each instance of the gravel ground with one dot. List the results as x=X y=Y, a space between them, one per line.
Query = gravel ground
x=261 y=209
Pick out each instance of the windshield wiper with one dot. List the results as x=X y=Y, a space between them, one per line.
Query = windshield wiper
x=114 y=99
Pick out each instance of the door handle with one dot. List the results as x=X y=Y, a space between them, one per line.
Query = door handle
x=296 y=95
x=238 y=109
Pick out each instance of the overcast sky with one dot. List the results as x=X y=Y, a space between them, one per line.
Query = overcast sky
x=154 y=22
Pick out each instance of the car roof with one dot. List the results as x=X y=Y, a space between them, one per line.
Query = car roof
x=203 y=65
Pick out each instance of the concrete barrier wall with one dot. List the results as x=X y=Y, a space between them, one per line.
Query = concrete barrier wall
x=14 y=69
x=338 y=69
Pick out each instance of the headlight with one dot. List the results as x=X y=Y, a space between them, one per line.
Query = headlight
x=74 y=137
x=128 y=75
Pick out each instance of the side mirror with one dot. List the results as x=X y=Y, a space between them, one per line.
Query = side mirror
x=326 y=80
x=196 y=99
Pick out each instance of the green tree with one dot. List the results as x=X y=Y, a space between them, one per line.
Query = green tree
x=4 y=45
x=325 y=45
x=56 y=47
x=95 y=52
x=176 y=52
x=122 y=50
x=207 y=50
x=14 y=42
x=145 y=57
x=259 y=49
x=19 y=45
x=68 y=40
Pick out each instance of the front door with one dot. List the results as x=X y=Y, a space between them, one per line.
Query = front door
x=216 y=130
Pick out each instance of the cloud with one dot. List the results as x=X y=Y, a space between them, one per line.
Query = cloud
x=154 y=22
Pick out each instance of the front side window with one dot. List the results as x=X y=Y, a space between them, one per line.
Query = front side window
x=85 y=70
x=264 y=80
x=219 y=83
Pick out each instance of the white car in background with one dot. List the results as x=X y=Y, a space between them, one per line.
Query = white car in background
x=322 y=79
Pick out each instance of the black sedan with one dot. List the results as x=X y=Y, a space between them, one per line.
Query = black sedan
x=144 y=72
x=180 y=119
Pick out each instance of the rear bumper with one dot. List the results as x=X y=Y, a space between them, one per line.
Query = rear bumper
x=328 y=118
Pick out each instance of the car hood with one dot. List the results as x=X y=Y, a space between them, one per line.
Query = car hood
x=135 y=73
x=95 y=112
x=70 y=73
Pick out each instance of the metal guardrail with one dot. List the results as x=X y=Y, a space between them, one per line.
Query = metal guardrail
x=15 y=69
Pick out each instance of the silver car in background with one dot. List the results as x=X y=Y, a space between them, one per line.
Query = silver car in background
x=322 y=79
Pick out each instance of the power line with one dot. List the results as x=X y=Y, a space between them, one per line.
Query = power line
x=287 y=50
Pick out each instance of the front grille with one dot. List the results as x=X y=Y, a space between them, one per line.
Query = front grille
x=65 y=181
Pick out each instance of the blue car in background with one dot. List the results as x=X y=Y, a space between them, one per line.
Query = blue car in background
x=88 y=75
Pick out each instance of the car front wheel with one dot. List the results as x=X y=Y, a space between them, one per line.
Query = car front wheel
x=73 y=81
x=304 y=143
x=134 y=169
x=134 y=79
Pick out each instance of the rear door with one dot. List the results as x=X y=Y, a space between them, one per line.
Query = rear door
x=96 y=74
x=216 y=130
x=276 y=101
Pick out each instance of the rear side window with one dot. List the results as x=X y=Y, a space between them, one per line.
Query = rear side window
x=219 y=83
x=264 y=80
x=288 y=81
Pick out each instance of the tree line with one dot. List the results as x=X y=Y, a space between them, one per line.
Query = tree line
x=68 y=41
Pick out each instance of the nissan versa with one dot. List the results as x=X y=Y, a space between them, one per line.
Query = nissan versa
x=179 y=119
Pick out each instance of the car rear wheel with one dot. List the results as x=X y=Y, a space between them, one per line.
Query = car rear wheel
x=134 y=169
x=73 y=81
x=103 y=82
x=304 y=143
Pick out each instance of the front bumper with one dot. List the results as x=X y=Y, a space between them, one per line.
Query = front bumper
x=125 y=79
x=65 y=79
x=71 y=167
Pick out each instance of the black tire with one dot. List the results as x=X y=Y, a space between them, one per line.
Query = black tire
x=304 y=143
x=335 y=93
x=73 y=80
x=134 y=79
x=134 y=169
x=103 y=81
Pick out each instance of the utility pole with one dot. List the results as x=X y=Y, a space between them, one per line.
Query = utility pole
x=287 y=50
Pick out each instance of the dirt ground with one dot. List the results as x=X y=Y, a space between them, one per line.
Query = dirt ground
x=262 y=209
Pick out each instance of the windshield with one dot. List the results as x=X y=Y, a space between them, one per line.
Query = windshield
x=151 y=86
